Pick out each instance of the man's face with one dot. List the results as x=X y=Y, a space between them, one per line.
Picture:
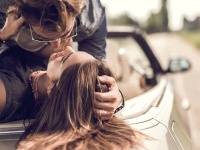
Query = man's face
x=36 y=38
x=56 y=40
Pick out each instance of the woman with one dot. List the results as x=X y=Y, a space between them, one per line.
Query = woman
x=68 y=120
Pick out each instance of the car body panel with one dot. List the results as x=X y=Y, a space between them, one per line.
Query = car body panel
x=161 y=122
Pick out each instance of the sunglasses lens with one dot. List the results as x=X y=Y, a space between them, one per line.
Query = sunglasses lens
x=24 y=40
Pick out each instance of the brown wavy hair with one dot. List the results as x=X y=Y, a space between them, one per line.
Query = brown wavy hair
x=67 y=119
x=52 y=15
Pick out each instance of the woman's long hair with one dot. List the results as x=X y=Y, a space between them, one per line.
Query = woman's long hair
x=69 y=114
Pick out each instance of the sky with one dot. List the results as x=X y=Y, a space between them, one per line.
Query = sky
x=141 y=9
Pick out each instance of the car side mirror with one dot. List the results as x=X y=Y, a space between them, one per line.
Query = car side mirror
x=178 y=65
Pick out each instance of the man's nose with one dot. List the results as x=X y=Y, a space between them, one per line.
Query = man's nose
x=56 y=44
x=60 y=45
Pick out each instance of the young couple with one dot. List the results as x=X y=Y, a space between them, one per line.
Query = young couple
x=77 y=92
x=40 y=28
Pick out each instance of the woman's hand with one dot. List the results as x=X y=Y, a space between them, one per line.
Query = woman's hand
x=106 y=103
x=12 y=24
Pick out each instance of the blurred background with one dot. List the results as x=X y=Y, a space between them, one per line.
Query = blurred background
x=173 y=29
x=155 y=15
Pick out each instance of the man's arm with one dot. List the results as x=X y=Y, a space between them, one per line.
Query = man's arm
x=96 y=44
x=4 y=4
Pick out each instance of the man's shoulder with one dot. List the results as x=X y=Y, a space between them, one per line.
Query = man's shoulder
x=91 y=15
x=95 y=5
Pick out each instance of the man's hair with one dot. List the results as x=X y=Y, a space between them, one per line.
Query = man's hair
x=69 y=114
x=50 y=14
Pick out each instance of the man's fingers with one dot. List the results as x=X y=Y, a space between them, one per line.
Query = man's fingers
x=103 y=115
x=107 y=106
x=107 y=79
x=106 y=97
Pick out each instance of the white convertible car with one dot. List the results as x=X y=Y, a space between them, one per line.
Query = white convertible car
x=151 y=105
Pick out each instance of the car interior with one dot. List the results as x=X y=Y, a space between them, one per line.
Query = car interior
x=129 y=65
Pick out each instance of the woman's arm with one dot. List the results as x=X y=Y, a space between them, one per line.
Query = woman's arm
x=40 y=84
x=96 y=43
x=2 y=95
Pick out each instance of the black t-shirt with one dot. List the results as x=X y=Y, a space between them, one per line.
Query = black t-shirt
x=16 y=66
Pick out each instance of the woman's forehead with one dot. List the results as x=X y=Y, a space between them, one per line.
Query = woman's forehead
x=78 y=57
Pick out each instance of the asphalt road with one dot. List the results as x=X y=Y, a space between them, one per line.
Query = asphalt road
x=188 y=83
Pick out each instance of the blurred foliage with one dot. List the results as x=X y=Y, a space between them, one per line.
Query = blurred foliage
x=192 y=36
x=158 y=22
x=123 y=19
x=164 y=14
x=153 y=23
x=191 y=25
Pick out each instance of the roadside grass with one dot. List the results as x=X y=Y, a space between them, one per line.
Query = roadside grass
x=191 y=36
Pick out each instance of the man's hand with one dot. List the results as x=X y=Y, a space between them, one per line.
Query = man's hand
x=12 y=24
x=106 y=103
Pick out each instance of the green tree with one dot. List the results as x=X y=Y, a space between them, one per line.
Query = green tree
x=158 y=22
x=153 y=23
x=123 y=19
x=164 y=14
